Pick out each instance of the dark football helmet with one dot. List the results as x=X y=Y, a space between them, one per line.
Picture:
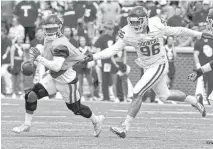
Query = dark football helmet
x=52 y=27
x=138 y=18
x=209 y=20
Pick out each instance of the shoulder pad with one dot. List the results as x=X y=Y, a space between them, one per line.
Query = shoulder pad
x=155 y=23
x=124 y=31
x=61 y=51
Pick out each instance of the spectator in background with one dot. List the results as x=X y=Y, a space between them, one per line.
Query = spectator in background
x=27 y=13
x=38 y=42
x=85 y=69
x=177 y=19
x=46 y=9
x=200 y=16
x=109 y=11
x=103 y=42
x=70 y=18
x=68 y=33
x=17 y=30
x=203 y=53
x=6 y=83
x=122 y=76
x=151 y=7
x=17 y=55
x=39 y=37
x=90 y=18
x=171 y=55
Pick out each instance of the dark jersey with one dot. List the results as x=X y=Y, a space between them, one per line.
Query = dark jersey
x=205 y=48
x=27 y=12
x=5 y=42
x=103 y=42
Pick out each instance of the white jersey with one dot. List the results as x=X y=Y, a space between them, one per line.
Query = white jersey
x=150 y=47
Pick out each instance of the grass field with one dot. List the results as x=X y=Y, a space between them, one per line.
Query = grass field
x=156 y=127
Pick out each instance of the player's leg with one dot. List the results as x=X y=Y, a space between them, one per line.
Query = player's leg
x=45 y=88
x=88 y=76
x=149 y=79
x=162 y=91
x=72 y=97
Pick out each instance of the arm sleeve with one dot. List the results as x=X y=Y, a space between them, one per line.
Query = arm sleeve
x=197 y=46
x=61 y=51
x=109 y=52
x=181 y=31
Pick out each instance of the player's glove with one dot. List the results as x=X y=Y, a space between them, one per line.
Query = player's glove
x=88 y=58
x=34 y=53
x=196 y=74
x=207 y=36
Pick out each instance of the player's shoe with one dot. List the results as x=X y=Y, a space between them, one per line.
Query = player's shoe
x=22 y=128
x=199 y=105
x=98 y=126
x=119 y=130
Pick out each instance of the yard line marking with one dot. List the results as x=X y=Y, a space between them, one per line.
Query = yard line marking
x=161 y=112
x=156 y=118
x=9 y=104
x=52 y=116
x=39 y=116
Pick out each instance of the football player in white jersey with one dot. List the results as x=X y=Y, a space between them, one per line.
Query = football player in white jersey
x=209 y=66
x=146 y=36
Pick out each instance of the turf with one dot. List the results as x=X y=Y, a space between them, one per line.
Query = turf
x=156 y=127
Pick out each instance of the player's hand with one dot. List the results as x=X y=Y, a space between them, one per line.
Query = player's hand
x=207 y=36
x=195 y=75
x=88 y=58
x=34 y=53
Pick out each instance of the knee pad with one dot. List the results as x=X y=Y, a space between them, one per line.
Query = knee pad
x=78 y=109
x=31 y=101
x=31 y=97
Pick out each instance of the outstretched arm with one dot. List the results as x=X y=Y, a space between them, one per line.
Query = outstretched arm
x=181 y=31
x=109 y=52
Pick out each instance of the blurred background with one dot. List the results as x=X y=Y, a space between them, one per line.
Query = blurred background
x=92 y=26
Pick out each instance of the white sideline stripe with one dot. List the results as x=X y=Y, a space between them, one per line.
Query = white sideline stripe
x=49 y=116
x=39 y=116
x=168 y=118
x=161 y=112
x=9 y=104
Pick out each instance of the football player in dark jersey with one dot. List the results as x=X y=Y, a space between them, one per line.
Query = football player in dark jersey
x=209 y=66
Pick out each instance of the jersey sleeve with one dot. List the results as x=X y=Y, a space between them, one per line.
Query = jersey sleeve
x=156 y=25
x=97 y=43
x=61 y=51
x=197 y=46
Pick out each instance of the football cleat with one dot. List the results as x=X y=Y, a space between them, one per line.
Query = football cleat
x=22 y=128
x=199 y=105
x=98 y=126
x=119 y=130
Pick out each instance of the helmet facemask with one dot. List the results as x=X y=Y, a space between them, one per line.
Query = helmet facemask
x=138 y=23
x=209 y=24
x=52 y=31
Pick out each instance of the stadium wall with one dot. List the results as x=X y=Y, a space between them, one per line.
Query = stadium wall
x=184 y=64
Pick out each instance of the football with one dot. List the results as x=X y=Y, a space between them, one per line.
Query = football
x=27 y=68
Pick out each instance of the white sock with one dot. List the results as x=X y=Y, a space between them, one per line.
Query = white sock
x=28 y=119
x=94 y=118
x=191 y=99
x=128 y=121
